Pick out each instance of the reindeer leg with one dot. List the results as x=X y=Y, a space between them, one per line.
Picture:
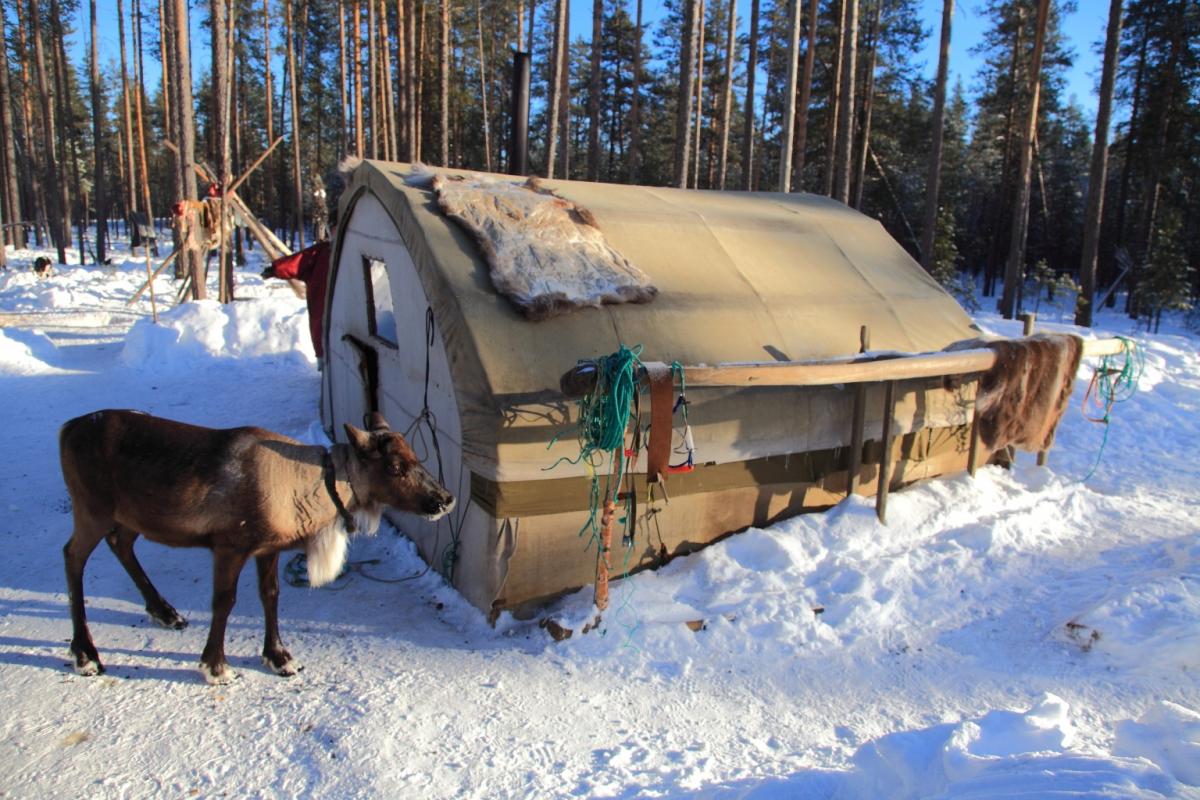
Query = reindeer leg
x=274 y=654
x=76 y=551
x=227 y=565
x=121 y=542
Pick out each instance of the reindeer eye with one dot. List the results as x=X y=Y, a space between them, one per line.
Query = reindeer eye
x=395 y=468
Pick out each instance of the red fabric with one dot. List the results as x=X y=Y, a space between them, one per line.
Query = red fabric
x=310 y=265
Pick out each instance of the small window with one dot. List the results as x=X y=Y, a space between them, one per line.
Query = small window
x=381 y=314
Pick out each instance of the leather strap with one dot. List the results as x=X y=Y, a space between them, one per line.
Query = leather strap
x=331 y=487
x=658 y=451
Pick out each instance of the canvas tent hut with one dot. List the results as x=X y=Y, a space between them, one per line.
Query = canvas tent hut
x=414 y=328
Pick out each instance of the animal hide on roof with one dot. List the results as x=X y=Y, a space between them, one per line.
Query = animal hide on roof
x=546 y=254
x=1023 y=396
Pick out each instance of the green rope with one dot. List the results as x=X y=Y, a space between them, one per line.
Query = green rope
x=603 y=418
x=1116 y=386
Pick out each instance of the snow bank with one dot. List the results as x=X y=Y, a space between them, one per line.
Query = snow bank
x=207 y=329
x=1168 y=735
x=24 y=352
x=1001 y=754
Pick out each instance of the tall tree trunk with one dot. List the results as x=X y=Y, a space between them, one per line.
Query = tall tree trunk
x=373 y=72
x=421 y=37
x=97 y=141
x=403 y=152
x=932 y=184
x=298 y=189
x=633 y=174
x=1098 y=173
x=1135 y=116
x=593 y=151
x=700 y=17
x=748 y=122
x=15 y=232
x=868 y=104
x=55 y=189
x=564 y=105
x=483 y=88
x=683 y=116
x=269 y=96
x=1013 y=270
x=554 y=84
x=845 y=136
x=68 y=132
x=166 y=33
x=444 y=88
x=789 y=114
x=1007 y=173
x=139 y=89
x=343 y=138
x=835 y=97
x=810 y=52
x=389 y=94
x=126 y=116
x=220 y=123
x=413 y=81
x=185 y=126
x=356 y=41
x=727 y=94
x=34 y=194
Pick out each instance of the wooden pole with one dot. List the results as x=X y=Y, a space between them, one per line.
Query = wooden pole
x=1028 y=320
x=150 y=284
x=860 y=412
x=255 y=165
x=973 y=453
x=602 y=565
x=885 y=471
x=147 y=284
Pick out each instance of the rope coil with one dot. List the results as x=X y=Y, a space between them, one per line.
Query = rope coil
x=1111 y=385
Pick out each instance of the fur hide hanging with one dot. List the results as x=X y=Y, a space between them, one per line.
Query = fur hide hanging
x=1023 y=397
x=546 y=254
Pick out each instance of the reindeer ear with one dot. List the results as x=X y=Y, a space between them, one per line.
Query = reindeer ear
x=363 y=442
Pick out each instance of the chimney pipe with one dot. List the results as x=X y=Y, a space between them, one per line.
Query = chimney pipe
x=519 y=147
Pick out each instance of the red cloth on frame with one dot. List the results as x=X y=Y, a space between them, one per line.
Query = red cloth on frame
x=310 y=265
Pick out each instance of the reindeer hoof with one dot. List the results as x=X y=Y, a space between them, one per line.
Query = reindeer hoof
x=285 y=666
x=88 y=667
x=218 y=677
x=168 y=618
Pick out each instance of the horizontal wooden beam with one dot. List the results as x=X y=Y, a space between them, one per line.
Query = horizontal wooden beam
x=831 y=373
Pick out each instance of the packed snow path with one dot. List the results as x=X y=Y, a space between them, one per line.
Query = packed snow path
x=1021 y=633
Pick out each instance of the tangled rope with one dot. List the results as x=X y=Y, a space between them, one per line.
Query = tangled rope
x=604 y=414
x=1110 y=385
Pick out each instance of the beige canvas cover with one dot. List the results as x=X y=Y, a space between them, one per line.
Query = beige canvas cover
x=742 y=277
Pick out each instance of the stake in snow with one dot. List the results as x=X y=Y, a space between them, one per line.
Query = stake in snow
x=240 y=492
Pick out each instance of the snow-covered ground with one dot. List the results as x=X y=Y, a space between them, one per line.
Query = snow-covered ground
x=1022 y=633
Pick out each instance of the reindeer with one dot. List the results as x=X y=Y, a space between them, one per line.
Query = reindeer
x=240 y=492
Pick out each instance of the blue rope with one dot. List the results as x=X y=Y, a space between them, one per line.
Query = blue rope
x=1115 y=386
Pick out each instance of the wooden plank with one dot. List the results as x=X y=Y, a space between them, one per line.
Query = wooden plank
x=832 y=373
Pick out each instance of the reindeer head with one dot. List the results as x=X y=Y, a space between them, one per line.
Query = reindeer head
x=390 y=474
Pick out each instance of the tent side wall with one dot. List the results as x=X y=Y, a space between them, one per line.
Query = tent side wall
x=374 y=274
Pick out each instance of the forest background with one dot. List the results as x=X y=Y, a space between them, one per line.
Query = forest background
x=999 y=181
